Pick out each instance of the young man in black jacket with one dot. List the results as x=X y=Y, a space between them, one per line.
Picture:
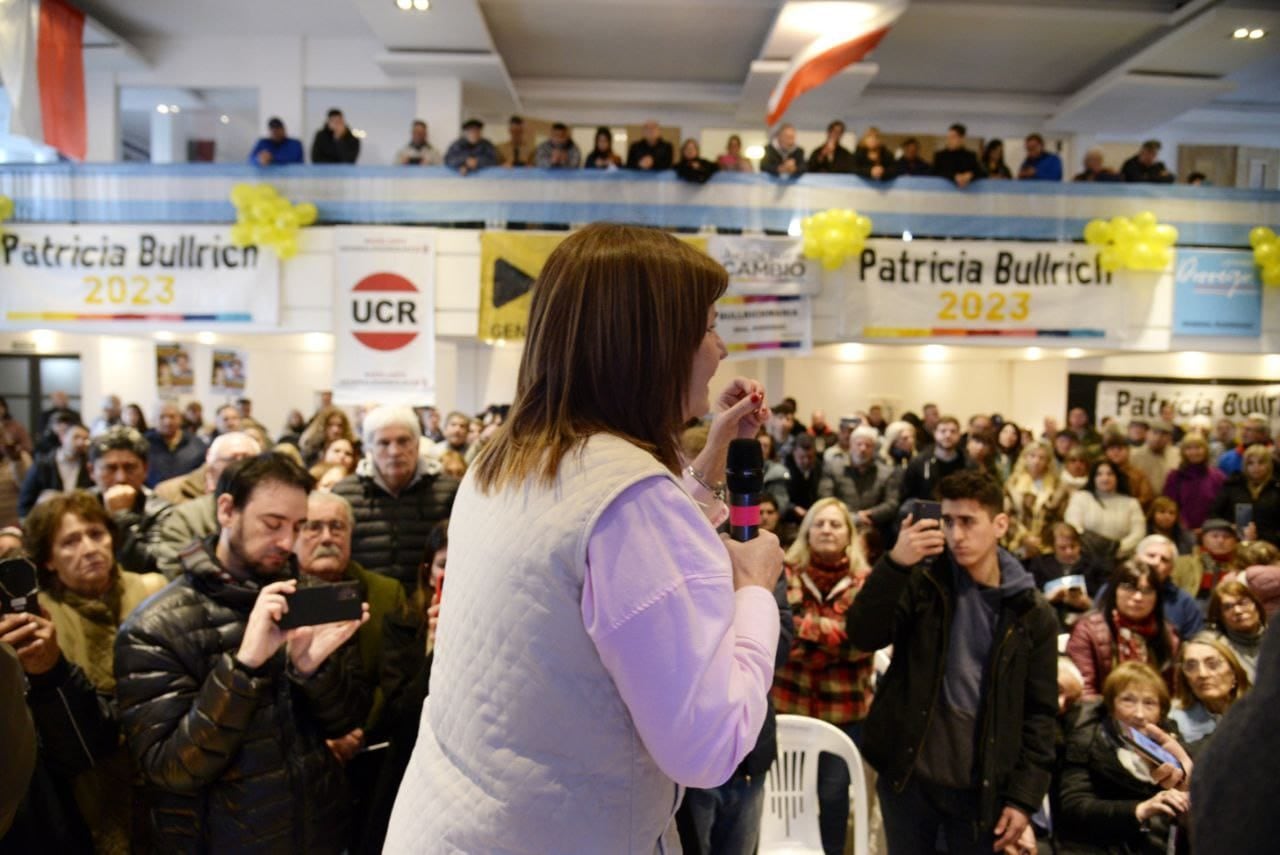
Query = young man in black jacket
x=962 y=728
x=226 y=713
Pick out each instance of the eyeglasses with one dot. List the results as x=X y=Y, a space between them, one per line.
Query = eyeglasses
x=1209 y=666
x=1130 y=588
x=1131 y=700
x=1234 y=605
x=315 y=527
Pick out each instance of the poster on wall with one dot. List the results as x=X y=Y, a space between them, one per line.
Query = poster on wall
x=1125 y=398
x=766 y=265
x=763 y=325
x=1216 y=292
x=174 y=372
x=922 y=288
x=228 y=368
x=113 y=277
x=384 y=315
x=509 y=264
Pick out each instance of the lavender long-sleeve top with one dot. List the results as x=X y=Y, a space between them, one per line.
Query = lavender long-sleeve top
x=691 y=657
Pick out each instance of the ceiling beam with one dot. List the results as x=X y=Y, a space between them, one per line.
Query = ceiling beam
x=1187 y=18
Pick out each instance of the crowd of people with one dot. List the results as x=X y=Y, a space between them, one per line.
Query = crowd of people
x=871 y=158
x=171 y=711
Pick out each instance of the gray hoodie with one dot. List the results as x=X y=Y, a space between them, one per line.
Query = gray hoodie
x=947 y=756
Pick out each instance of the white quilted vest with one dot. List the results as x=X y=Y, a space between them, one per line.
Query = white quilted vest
x=525 y=745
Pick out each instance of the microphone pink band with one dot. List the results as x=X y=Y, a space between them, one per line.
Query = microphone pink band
x=744 y=515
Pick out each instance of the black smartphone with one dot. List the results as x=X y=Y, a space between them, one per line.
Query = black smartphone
x=324 y=603
x=1244 y=516
x=18 y=587
x=922 y=510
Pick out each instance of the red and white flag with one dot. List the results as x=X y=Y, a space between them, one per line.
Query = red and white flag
x=42 y=69
x=827 y=55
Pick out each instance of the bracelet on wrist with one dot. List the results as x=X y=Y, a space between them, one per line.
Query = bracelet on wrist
x=716 y=490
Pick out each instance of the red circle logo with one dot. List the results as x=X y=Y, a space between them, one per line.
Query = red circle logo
x=381 y=304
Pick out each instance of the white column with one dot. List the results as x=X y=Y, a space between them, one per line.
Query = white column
x=167 y=138
x=102 y=117
x=439 y=103
x=280 y=87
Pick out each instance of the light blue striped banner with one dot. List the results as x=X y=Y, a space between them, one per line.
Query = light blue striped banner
x=927 y=207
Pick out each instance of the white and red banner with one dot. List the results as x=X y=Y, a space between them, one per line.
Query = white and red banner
x=384 y=316
x=831 y=52
x=42 y=69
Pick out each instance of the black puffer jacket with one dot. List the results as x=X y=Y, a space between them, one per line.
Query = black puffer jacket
x=1098 y=796
x=391 y=531
x=137 y=531
x=233 y=760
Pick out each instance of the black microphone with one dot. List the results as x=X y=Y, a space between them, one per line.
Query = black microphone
x=744 y=476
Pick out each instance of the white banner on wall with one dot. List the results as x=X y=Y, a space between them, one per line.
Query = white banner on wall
x=766 y=265
x=384 y=318
x=85 y=278
x=1126 y=399
x=902 y=289
x=765 y=326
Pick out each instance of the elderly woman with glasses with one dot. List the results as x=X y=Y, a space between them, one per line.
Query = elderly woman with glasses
x=1111 y=797
x=1237 y=614
x=1208 y=680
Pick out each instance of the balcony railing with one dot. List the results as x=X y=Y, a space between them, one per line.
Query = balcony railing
x=925 y=207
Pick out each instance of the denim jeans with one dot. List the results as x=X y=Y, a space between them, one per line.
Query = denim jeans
x=726 y=820
x=915 y=818
x=833 y=794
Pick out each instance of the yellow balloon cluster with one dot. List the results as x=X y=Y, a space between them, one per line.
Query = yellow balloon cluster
x=1140 y=243
x=265 y=218
x=6 y=207
x=1266 y=252
x=834 y=235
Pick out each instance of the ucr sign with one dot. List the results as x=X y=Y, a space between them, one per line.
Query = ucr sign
x=385 y=311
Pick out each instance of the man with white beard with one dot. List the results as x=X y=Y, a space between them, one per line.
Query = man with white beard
x=866 y=484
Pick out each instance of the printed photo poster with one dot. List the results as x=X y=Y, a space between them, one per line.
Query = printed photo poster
x=174 y=372
x=229 y=366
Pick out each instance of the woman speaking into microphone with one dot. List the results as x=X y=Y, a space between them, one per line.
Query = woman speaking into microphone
x=600 y=647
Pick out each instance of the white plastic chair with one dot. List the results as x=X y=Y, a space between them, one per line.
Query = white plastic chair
x=790 y=822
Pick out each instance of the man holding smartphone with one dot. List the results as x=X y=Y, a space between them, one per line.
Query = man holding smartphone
x=225 y=712
x=962 y=728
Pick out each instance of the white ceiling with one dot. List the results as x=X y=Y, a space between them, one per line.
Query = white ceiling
x=1065 y=64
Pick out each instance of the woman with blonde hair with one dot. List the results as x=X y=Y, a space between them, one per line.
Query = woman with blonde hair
x=1254 y=485
x=1035 y=499
x=599 y=646
x=826 y=677
x=1208 y=680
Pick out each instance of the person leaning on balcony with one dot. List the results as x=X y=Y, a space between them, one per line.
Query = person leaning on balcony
x=471 y=151
x=277 y=147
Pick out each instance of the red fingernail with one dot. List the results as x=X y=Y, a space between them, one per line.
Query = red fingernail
x=757 y=397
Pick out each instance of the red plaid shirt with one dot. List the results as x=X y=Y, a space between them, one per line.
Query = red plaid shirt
x=825 y=677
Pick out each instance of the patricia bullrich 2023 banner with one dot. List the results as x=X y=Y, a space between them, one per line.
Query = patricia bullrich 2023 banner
x=927 y=288
x=102 y=278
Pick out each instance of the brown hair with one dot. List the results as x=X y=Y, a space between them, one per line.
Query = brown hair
x=1127 y=674
x=618 y=313
x=42 y=526
x=1234 y=588
x=1182 y=686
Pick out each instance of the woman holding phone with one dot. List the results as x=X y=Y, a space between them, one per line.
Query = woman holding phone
x=1113 y=795
x=599 y=647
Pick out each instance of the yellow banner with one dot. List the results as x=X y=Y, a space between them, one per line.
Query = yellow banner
x=510 y=262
